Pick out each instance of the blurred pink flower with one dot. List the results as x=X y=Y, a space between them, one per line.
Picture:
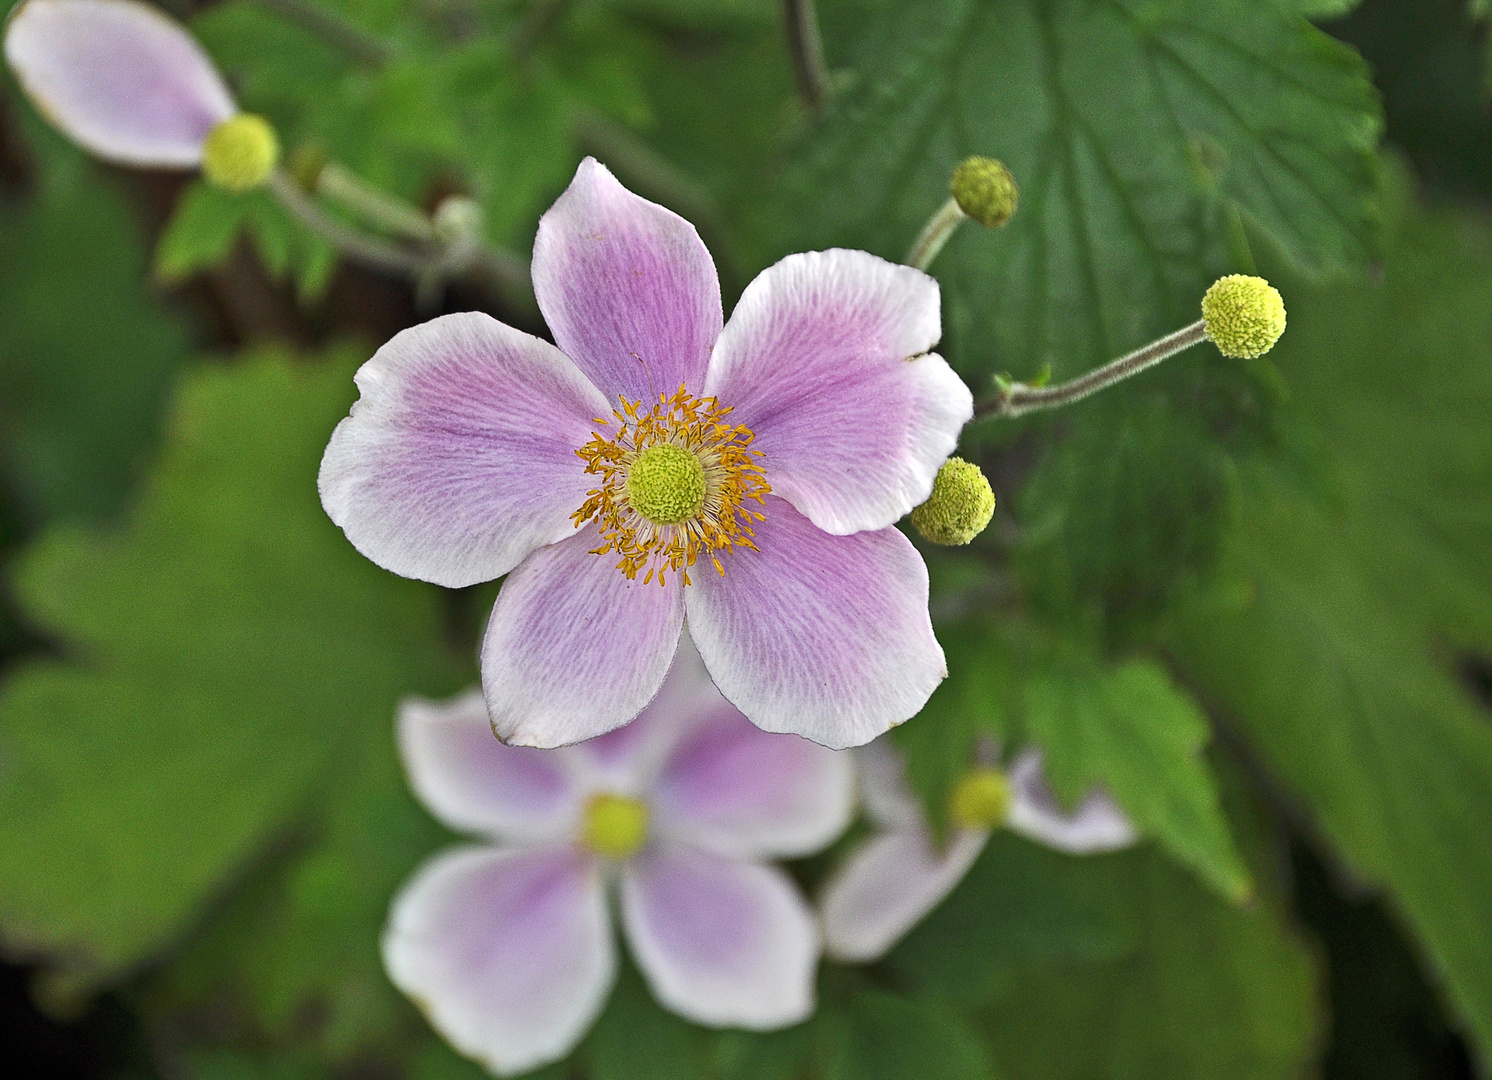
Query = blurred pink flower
x=119 y=77
x=507 y=946
x=889 y=883
x=776 y=451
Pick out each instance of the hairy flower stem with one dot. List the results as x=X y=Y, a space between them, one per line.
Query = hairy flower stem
x=806 y=47
x=398 y=217
x=937 y=232
x=1017 y=399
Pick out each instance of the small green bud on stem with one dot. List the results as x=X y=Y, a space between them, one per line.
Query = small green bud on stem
x=1244 y=316
x=240 y=153
x=961 y=504
x=985 y=190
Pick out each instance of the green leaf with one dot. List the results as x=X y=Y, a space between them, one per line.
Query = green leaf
x=1330 y=9
x=1213 y=992
x=1020 y=904
x=87 y=354
x=637 y=1039
x=1137 y=132
x=1353 y=584
x=1130 y=728
x=228 y=653
x=896 y=1038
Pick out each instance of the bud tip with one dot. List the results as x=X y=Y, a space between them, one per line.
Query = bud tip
x=960 y=506
x=1244 y=316
x=985 y=190
x=240 y=153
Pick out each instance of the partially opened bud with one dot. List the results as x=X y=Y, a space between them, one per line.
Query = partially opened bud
x=1244 y=316
x=118 y=77
x=960 y=506
x=985 y=190
x=240 y=153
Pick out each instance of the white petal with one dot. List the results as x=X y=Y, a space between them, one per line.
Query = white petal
x=1096 y=825
x=473 y=782
x=459 y=458
x=722 y=943
x=119 y=77
x=508 y=952
x=889 y=800
x=888 y=885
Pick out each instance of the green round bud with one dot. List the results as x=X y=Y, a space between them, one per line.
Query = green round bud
x=240 y=153
x=1244 y=316
x=666 y=484
x=615 y=826
x=980 y=800
x=457 y=218
x=959 y=507
x=985 y=190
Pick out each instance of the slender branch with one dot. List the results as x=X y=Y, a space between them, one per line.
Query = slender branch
x=937 y=232
x=806 y=48
x=1018 y=398
x=395 y=215
x=642 y=166
x=334 y=28
x=370 y=251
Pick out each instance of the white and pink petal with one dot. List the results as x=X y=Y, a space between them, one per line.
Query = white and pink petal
x=1096 y=824
x=822 y=636
x=738 y=791
x=720 y=942
x=121 y=78
x=508 y=952
x=888 y=885
x=628 y=289
x=826 y=359
x=574 y=649
x=473 y=782
x=459 y=457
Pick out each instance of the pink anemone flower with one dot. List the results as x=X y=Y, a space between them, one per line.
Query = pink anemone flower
x=120 y=78
x=893 y=880
x=507 y=945
x=662 y=466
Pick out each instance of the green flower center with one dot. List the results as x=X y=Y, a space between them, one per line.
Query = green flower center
x=240 y=153
x=615 y=826
x=981 y=800
x=666 y=484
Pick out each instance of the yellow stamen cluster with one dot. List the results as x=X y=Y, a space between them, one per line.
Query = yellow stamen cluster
x=615 y=826
x=675 y=479
x=240 y=153
x=980 y=800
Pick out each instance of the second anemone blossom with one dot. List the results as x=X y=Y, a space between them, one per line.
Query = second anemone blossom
x=661 y=466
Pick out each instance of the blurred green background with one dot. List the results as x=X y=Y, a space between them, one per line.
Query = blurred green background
x=1255 y=599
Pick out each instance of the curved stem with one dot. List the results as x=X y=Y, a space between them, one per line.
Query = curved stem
x=1018 y=399
x=939 y=228
x=395 y=215
x=806 y=47
x=334 y=28
x=370 y=251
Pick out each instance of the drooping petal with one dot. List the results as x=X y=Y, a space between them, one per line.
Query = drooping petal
x=886 y=887
x=473 y=782
x=508 y=952
x=826 y=359
x=628 y=759
x=736 y=790
x=118 y=77
x=889 y=800
x=573 y=648
x=823 y=636
x=723 y=943
x=1097 y=824
x=627 y=288
x=459 y=458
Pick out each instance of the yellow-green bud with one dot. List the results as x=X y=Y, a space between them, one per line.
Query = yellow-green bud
x=985 y=190
x=1244 y=315
x=959 y=507
x=457 y=218
x=666 y=484
x=615 y=826
x=240 y=153
x=981 y=800
x=306 y=163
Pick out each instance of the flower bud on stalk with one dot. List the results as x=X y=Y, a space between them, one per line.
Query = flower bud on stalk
x=240 y=153
x=960 y=506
